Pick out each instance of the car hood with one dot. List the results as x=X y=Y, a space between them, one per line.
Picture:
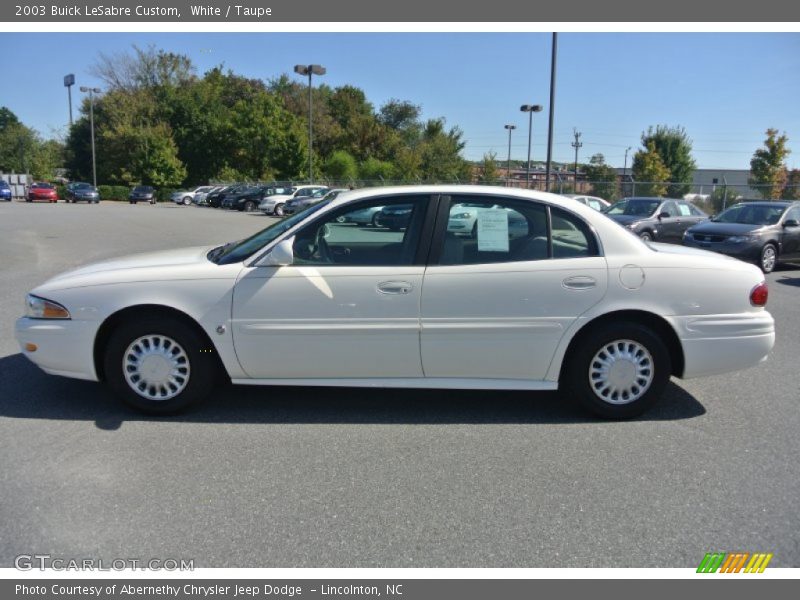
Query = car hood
x=713 y=228
x=136 y=267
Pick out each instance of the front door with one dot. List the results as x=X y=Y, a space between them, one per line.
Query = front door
x=347 y=308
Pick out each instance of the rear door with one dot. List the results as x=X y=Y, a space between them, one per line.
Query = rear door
x=496 y=304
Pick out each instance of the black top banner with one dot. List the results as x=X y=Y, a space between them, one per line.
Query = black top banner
x=463 y=11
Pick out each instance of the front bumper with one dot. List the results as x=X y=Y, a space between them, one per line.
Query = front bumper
x=64 y=347
x=714 y=344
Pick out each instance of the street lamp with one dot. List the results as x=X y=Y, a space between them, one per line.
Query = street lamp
x=69 y=81
x=530 y=109
x=508 y=164
x=625 y=169
x=310 y=70
x=92 y=92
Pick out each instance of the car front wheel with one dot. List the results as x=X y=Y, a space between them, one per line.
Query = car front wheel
x=159 y=365
x=279 y=210
x=187 y=201
x=769 y=258
x=646 y=236
x=617 y=370
x=249 y=206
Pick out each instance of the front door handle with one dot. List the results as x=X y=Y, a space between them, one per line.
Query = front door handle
x=579 y=282
x=395 y=287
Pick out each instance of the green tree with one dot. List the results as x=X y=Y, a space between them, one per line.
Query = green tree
x=374 y=169
x=603 y=177
x=675 y=149
x=649 y=169
x=341 y=166
x=490 y=173
x=722 y=197
x=768 y=165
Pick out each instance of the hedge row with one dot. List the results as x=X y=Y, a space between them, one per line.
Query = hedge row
x=119 y=192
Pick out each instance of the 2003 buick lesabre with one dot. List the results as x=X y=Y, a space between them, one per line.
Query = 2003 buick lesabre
x=545 y=294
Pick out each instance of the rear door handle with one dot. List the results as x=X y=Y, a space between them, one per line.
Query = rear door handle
x=579 y=282
x=395 y=287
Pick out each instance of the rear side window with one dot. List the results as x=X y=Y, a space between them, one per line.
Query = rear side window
x=496 y=230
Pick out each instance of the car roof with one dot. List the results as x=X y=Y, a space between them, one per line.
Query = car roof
x=781 y=203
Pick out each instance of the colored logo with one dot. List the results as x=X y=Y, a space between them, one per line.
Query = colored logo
x=734 y=562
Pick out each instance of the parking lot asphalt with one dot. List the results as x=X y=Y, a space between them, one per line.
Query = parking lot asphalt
x=321 y=477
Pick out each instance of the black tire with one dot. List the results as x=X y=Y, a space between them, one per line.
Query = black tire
x=580 y=386
x=474 y=233
x=768 y=259
x=278 y=212
x=187 y=201
x=376 y=220
x=249 y=206
x=203 y=368
x=132 y=201
x=646 y=236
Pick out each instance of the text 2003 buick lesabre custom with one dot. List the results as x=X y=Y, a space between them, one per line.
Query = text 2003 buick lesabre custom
x=563 y=299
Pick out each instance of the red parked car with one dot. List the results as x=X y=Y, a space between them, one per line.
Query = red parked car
x=42 y=191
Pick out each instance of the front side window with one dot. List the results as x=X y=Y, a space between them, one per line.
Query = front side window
x=378 y=232
x=496 y=231
x=670 y=208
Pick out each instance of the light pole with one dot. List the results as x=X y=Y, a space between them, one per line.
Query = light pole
x=530 y=109
x=69 y=81
x=508 y=164
x=553 y=57
x=92 y=92
x=310 y=70
x=577 y=144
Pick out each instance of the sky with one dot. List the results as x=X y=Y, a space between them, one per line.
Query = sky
x=725 y=89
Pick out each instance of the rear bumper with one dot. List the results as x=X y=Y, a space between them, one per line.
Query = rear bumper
x=63 y=347
x=714 y=344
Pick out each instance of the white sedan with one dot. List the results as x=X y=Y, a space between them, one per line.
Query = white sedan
x=576 y=304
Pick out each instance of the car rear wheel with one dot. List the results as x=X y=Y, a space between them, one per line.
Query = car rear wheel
x=249 y=206
x=279 y=210
x=159 y=365
x=617 y=370
x=769 y=258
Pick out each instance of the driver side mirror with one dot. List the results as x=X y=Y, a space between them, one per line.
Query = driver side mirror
x=791 y=223
x=281 y=255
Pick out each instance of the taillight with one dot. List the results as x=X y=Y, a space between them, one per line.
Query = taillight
x=759 y=294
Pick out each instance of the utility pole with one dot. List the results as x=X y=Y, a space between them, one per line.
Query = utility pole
x=625 y=169
x=577 y=145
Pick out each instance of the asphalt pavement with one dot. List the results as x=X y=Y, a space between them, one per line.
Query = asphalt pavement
x=323 y=477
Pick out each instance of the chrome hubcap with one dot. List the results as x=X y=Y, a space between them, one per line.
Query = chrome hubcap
x=621 y=372
x=768 y=258
x=156 y=367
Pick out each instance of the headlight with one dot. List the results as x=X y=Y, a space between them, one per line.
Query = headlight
x=456 y=216
x=632 y=225
x=738 y=239
x=39 y=308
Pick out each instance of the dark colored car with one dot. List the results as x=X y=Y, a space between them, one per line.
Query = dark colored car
x=656 y=219
x=761 y=232
x=142 y=193
x=215 y=199
x=302 y=202
x=42 y=191
x=245 y=198
x=395 y=217
x=80 y=191
x=5 y=191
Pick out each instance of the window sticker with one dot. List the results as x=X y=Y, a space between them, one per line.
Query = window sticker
x=493 y=231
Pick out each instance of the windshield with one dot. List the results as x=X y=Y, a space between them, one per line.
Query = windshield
x=634 y=208
x=238 y=251
x=751 y=214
